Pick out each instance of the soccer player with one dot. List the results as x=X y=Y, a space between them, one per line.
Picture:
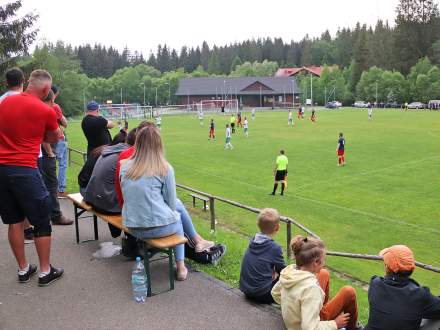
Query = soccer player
x=280 y=172
x=228 y=138
x=201 y=118
x=212 y=129
x=303 y=110
x=233 y=123
x=370 y=111
x=313 y=116
x=299 y=111
x=290 y=119
x=340 y=150
x=245 y=126
x=239 y=124
x=159 y=122
x=253 y=114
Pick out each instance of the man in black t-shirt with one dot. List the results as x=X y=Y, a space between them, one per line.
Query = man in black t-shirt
x=96 y=128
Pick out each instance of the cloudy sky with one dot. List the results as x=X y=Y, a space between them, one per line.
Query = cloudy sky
x=143 y=24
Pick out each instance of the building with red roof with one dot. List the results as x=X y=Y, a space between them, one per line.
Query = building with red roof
x=289 y=72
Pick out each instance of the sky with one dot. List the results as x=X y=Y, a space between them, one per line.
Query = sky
x=143 y=24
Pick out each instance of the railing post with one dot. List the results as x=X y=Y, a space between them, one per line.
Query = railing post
x=212 y=211
x=289 y=237
x=70 y=156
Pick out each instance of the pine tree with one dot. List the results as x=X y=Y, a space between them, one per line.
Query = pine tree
x=16 y=34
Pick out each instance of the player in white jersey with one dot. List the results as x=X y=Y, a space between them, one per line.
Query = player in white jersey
x=370 y=111
x=228 y=138
x=159 y=122
x=290 y=119
x=201 y=116
x=253 y=114
x=246 y=126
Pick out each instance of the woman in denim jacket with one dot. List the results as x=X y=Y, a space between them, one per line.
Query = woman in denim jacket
x=149 y=190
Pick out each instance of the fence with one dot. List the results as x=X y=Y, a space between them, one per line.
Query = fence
x=76 y=152
x=287 y=220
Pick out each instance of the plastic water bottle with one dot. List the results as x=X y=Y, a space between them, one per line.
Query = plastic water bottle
x=139 y=282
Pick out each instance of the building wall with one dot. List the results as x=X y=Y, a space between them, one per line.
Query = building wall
x=247 y=100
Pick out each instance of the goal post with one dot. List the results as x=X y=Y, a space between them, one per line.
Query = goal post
x=225 y=105
x=125 y=111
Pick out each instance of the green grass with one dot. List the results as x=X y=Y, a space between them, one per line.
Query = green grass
x=387 y=194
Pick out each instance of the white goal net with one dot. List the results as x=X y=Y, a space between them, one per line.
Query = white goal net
x=228 y=105
x=125 y=111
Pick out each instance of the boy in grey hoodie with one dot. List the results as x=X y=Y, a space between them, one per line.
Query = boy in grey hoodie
x=263 y=260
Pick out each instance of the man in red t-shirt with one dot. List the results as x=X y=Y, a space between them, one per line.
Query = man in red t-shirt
x=25 y=122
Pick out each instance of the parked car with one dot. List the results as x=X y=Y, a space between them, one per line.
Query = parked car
x=393 y=105
x=416 y=105
x=333 y=105
x=360 y=104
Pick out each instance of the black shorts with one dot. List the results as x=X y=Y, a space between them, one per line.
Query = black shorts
x=280 y=175
x=232 y=125
x=24 y=195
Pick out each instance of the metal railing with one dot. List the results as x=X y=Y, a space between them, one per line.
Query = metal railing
x=76 y=151
x=287 y=220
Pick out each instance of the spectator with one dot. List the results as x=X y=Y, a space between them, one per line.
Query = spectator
x=61 y=147
x=25 y=121
x=396 y=300
x=303 y=292
x=14 y=81
x=200 y=243
x=96 y=128
x=48 y=169
x=149 y=190
x=263 y=260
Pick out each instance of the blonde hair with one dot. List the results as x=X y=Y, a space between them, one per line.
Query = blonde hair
x=148 y=158
x=40 y=77
x=267 y=220
x=306 y=249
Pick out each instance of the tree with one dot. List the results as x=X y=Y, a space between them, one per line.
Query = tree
x=205 y=55
x=214 y=63
x=360 y=57
x=417 y=27
x=16 y=34
x=435 y=52
x=236 y=61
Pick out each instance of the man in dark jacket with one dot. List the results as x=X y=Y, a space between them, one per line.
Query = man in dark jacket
x=263 y=260
x=396 y=301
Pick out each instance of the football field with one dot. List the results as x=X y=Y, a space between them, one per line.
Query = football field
x=388 y=193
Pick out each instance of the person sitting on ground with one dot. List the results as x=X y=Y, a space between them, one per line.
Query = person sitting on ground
x=263 y=260
x=303 y=292
x=397 y=301
x=149 y=190
x=196 y=240
x=96 y=128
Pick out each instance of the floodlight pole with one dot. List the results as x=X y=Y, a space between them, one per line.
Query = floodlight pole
x=376 y=93
x=311 y=89
x=144 y=93
x=260 y=98
x=121 y=95
x=293 y=94
x=156 y=97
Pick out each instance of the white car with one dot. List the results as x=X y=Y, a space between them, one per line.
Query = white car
x=360 y=104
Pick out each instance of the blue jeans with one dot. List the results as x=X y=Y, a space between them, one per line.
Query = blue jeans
x=162 y=231
x=187 y=224
x=62 y=158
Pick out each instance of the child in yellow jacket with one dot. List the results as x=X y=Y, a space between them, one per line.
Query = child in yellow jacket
x=303 y=292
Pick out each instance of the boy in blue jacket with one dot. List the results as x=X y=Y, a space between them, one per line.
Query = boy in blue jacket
x=263 y=260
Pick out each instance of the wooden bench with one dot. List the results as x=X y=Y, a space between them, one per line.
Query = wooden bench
x=150 y=246
x=204 y=199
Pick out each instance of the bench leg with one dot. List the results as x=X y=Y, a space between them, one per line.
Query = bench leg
x=75 y=211
x=95 y=226
x=194 y=202
x=171 y=268
x=147 y=271
x=204 y=205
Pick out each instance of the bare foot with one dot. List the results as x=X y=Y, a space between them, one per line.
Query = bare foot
x=204 y=245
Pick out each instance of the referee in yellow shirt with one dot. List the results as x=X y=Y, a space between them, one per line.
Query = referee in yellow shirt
x=280 y=172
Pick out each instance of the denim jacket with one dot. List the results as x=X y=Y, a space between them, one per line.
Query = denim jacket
x=148 y=201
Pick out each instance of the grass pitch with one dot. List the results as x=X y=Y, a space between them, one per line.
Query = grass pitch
x=388 y=193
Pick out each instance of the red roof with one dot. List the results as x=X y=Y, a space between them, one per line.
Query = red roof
x=288 y=72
